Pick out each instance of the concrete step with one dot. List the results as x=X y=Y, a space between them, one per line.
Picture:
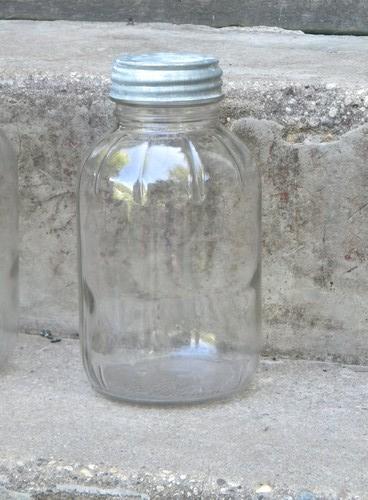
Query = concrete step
x=305 y=101
x=300 y=432
x=317 y=16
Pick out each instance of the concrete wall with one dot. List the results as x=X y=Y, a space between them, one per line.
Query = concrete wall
x=315 y=241
x=313 y=164
x=313 y=16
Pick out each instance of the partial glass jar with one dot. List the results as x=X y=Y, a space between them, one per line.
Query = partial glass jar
x=169 y=240
x=8 y=248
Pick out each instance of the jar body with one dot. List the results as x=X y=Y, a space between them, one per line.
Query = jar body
x=8 y=249
x=169 y=234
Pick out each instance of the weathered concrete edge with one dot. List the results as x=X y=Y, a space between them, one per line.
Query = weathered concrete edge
x=299 y=107
x=48 y=479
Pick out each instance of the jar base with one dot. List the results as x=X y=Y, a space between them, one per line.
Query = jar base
x=174 y=380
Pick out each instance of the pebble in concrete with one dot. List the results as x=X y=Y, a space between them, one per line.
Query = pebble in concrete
x=305 y=495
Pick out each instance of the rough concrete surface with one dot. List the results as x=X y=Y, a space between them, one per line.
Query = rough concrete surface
x=302 y=426
x=54 y=81
x=314 y=16
x=315 y=241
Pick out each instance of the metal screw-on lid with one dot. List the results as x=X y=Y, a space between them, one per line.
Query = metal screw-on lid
x=166 y=79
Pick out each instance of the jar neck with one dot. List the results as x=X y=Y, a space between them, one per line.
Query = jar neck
x=168 y=117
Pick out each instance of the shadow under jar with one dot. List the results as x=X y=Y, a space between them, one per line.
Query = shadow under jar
x=169 y=240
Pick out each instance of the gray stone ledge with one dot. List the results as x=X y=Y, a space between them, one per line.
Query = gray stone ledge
x=302 y=426
x=316 y=16
x=304 y=82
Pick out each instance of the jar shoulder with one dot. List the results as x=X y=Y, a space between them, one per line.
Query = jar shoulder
x=151 y=157
x=238 y=150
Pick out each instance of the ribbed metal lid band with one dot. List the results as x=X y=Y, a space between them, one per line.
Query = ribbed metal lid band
x=166 y=78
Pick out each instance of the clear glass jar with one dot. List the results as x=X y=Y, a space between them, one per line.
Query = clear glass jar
x=8 y=248
x=169 y=233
